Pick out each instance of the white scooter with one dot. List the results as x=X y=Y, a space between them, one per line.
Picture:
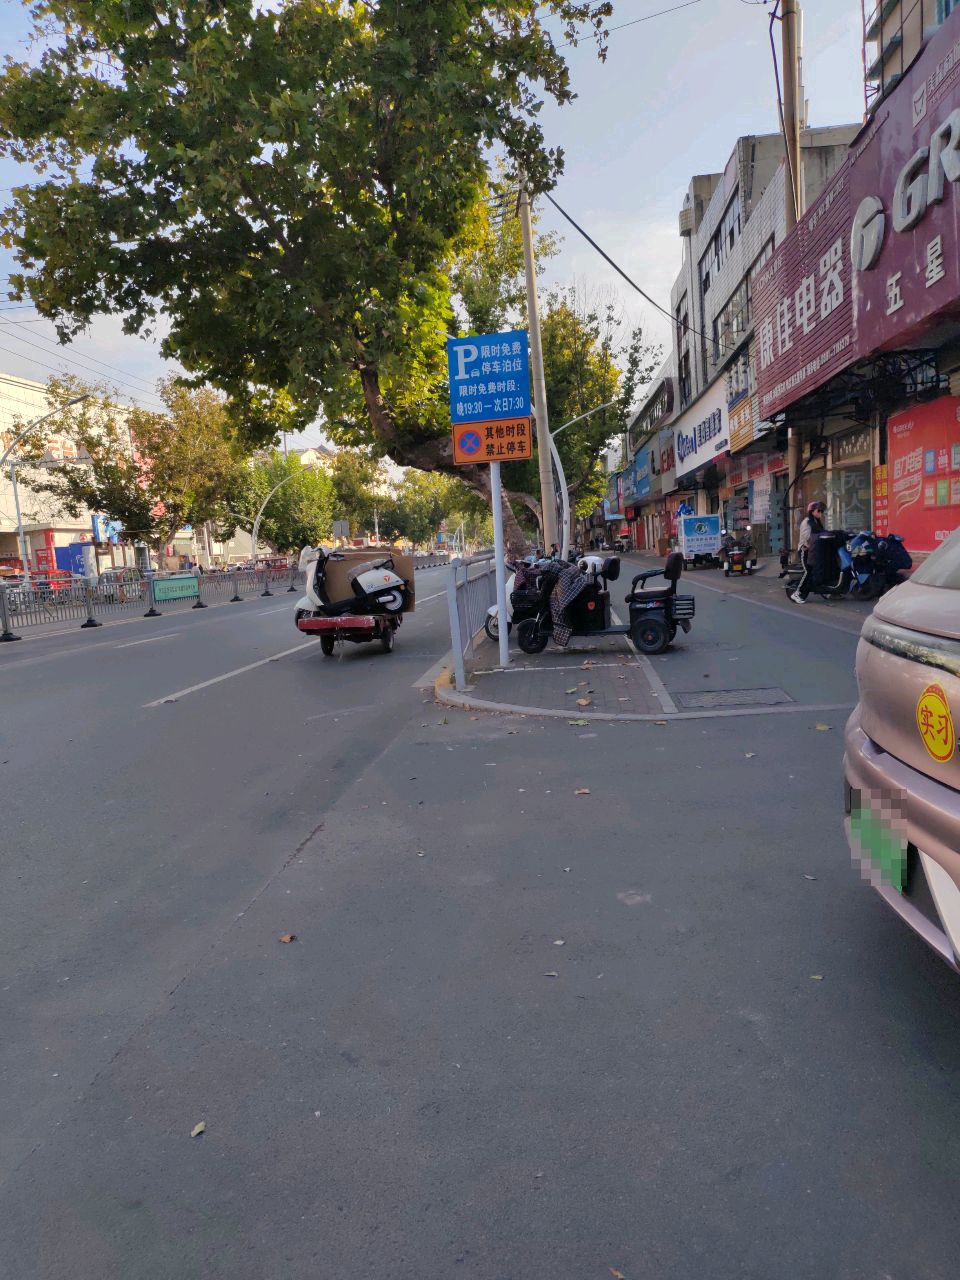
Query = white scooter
x=374 y=611
x=491 y=624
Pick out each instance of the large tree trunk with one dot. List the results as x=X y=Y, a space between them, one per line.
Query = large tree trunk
x=435 y=455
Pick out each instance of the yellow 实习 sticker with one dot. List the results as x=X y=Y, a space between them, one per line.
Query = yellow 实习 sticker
x=935 y=723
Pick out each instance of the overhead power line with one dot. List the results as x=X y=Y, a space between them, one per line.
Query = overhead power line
x=9 y=327
x=661 y=13
x=620 y=271
x=132 y=392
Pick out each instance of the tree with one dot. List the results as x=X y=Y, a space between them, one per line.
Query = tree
x=357 y=479
x=586 y=365
x=152 y=472
x=422 y=501
x=286 y=184
x=300 y=512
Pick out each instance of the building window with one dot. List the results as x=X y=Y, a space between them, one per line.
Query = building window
x=683 y=323
x=720 y=244
x=945 y=8
x=686 y=383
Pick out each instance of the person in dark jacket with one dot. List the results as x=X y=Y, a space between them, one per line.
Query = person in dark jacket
x=810 y=529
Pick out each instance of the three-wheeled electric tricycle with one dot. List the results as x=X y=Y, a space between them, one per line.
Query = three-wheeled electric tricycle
x=656 y=614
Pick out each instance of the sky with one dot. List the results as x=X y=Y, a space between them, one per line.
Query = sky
x=673 y=96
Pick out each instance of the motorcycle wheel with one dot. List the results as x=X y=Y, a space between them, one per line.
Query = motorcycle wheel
x=386 y=640
x=650 y=635
x=530 y=638
x=327 y=646
x=492 y=627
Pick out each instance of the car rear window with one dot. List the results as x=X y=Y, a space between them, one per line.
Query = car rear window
x=942 y=568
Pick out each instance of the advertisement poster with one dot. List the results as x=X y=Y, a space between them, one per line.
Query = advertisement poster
x=923 y=473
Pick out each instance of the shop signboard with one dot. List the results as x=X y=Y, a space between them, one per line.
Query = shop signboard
x=881 y=501
x=702 y=434
x=668 y=461
x=874 y=262
x=642 y=471
x=923 y=472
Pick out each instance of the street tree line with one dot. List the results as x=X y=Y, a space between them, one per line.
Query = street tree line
x=155 y=472
x=303 y=191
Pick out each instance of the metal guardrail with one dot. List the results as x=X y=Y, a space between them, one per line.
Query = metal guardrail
x=471 y=590
x=24 y=608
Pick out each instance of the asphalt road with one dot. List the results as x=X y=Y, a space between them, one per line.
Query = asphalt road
x=521 y=1032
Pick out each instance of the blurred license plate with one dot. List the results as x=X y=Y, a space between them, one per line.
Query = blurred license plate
x=881 y=847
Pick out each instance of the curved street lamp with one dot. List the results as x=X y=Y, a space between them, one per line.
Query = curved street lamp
x=564 y=493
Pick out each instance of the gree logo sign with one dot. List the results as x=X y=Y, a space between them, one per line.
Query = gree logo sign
x=920 y=184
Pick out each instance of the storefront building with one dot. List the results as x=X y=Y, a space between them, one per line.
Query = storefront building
x=754 y=476
x=701 y=439
x=856 y=318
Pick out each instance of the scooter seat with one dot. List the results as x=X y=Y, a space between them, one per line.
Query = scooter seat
x=642 y=597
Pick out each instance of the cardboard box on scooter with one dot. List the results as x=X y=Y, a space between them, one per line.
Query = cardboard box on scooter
x=338 y=571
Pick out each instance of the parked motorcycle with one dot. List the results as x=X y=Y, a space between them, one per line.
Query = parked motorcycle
x=373 y=610
x=737 y=555
x=655 y=614
x=521 y=601
x=860 y=565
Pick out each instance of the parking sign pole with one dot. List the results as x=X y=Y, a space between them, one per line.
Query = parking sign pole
x=500 y=554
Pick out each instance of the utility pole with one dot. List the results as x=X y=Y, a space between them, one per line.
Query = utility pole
x=793 y=202
x=548 y=500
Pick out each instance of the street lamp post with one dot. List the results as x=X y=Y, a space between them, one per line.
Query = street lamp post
x=564 y=492
x=263 y=506
x=22 y=434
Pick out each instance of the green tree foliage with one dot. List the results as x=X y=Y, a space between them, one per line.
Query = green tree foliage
x=153 y=472
x=300 y=511
x=423 y=500
x=287 y=184
x=359 y=488
x=587 y=364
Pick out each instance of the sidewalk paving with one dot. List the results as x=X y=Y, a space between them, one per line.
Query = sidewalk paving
x=606 y=679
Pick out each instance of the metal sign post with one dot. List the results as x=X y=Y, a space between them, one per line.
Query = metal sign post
x=490 y=416
x=500 y=554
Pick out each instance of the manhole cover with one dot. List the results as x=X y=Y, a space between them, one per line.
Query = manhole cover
x=731 y=698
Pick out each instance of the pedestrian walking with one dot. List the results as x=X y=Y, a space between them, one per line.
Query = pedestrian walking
x=810 y=529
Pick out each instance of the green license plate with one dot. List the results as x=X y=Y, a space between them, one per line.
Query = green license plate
x=880 y=846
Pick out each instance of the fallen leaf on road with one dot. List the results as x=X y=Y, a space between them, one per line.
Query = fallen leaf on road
x=617 y=1275
x=583 y=702
x=566 y=868
x=288 y=937
x=659 y=722
x=817 y=977
x=558 y=942
x=197 y=1129
x=582 y=791
x=509 y=731
x=588 y=664
x=577 y=723
x=474 y=717
x=822 y=728
x=551 y=974
x=570 y=690
x=806 y=877
x=750 y=755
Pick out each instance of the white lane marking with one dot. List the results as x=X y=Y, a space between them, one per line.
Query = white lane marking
x=342 y=711
x=277 y=608
x=228 y=675
x=150 y=640
x=427 y=599
x=657 y=687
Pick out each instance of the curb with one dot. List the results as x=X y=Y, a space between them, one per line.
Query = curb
x=450 y=697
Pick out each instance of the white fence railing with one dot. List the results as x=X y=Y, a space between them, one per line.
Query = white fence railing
x=471 y=590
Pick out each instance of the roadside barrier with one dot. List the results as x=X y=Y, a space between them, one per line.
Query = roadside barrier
x=24 y=608
x=431 y=560
x=471 y=590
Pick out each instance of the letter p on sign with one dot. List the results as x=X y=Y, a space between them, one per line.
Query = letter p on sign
x=465 y=355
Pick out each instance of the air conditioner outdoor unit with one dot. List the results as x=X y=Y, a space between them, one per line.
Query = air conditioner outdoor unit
x=686 y=222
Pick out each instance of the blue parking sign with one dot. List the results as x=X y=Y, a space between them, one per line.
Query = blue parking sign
x=489 y=377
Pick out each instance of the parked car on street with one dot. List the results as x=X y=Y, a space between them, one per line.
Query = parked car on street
x=120 y=584
x=901 y=763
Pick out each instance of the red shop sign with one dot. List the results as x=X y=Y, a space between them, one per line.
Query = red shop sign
x=874 y=263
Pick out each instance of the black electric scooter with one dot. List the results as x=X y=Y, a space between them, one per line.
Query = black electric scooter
x=655 y=614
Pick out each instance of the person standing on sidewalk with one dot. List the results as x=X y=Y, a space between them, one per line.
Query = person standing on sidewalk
x=810 y=529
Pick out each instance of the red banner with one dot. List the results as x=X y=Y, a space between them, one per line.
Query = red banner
x=923 y=472
x=874 y=263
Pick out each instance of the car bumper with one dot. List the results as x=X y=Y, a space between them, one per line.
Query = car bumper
x=930 y=816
